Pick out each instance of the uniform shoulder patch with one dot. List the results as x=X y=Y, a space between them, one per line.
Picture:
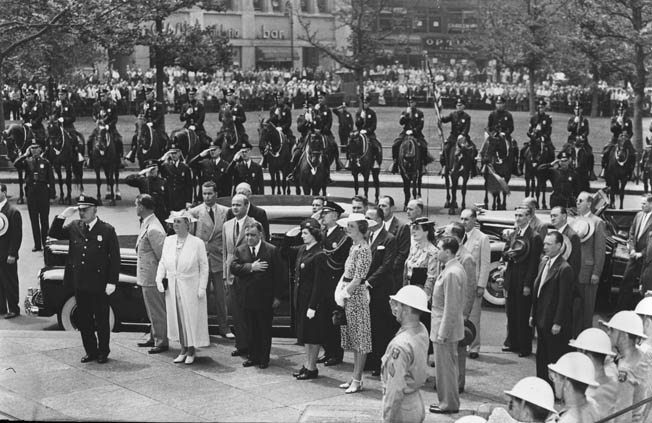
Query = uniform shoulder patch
x=622 y=376
x=395 y=353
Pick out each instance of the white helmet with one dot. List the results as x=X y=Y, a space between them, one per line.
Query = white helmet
x=413 y=296
x=535 y=391
x=594 y=340
x=644 y=307
x=576 y=366
x=628 y=322
x=470 y=419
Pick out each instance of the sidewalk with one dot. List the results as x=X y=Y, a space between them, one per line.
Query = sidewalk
x=41 y=378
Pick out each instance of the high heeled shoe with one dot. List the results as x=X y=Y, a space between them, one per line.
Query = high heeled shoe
x=346 y=385
x=190 y=359
x=356 y=386
x=180 y=358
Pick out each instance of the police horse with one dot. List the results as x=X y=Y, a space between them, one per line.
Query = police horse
x=537 y=157
x=459 y=161
x=228 y=136
x=362 y=155
x=103 y=156
x=17 y=138
x=313 y=168
x=410 y=166
x=191 y=145
x=149 y=144
x=62 y=155
x=275 y=146
x=499 y=157
x=620 y=166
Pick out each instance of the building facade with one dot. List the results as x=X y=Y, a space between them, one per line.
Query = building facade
x=263 y=33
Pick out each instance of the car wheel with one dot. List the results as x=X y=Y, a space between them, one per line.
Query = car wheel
x=67 y=317
x=494 y=293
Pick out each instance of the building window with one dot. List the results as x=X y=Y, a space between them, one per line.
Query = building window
x=259 y=5
x=305 y=6
x=322 y=6
x=434 y=24
x=277 y=6
x=419 y=24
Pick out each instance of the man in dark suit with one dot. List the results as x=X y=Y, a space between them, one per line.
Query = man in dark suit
x=11 y=236
x=92 y=269
x=522 y=252
x=401 y=232
x=253 y=211
x=243 y=169
x=637 y=243
x=259 y=270
x=552 y=300
x=559 y=219
x=380 y=283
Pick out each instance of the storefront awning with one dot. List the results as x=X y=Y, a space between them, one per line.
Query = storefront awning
x=274 y=54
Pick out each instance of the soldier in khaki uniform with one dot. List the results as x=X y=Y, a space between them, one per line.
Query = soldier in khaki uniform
x=404 y=365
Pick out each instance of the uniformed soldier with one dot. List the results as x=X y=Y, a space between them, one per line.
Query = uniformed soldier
x=619 y=124
x=63 y=112
x=460 y=125
x=366 y=122
x=153 y=112
x=530 y=400
x=92 y=270
x=32 y=113
x=149 y=182
x=412 y=119
x=212 y=168
x=39 y=187
x=243 y=169
x=193 y=114
x=105 y=112
x=344 y=125
x=232 y=102
x=564 y=182
x=178 y=180
x=571 y=375
x=501 y=123
x=644 y=310
x=336 y=245
x=405 y=363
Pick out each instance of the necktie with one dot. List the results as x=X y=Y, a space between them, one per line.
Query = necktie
x=371 y=238
x=87 y=228
x=544 y=275
x=211 y=214
x=464 y=239
x=253 y=252
x=237 y=230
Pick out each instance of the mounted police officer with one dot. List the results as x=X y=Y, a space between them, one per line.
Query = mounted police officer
x=366 y=122
x=280 y=115
x=153 y=112
x=619 y=124
x=63 y=112
x=501 y=123
x=578 y=125
x=460 y=125
x=305 y=125
x=193 y=114
x=324 y=121
x=105 y=113
x=32 y=112
x=39 y=187
x=412 y=119
x=540 y=126
x=577 y=146
x=345 y=126
x=178 y=179
x=232 y=103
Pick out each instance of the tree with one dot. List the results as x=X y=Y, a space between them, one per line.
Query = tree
x=622 y=31
x=359 y=18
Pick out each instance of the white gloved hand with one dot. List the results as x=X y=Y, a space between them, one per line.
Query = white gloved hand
x=278 y=128
x=310 y=313
x=363 y=131
x=60 y=120
x=110 y=288
x=190 y=111
x=363 y=115
x=150 y=124
x=192 y=127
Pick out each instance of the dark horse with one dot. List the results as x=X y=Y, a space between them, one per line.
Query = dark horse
x=620 y=166
x=275 y=146
x=362 y=157
x=313 y=173
x=61 y=154
x=459 y=158
x=149 y=145
x=409 y=165
x=498 y=157
x=17 y=138
x=191 y=145
x=538 y=156
x=228 y=136
x=104 y=156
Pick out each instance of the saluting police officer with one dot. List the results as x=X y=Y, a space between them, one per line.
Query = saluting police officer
x=344 y=126
x=232 y=101
x=405 y=363
x=105 y=112
x=178 y=180
x=149 y=182
x=564 y=182
x=412 y=119
x=39 y=187
x=212 y=168
x=92 y=269
x=243 y=169
x=193 y=114
x=366 y=122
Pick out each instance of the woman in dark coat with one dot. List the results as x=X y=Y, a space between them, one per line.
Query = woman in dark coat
x=309 y=266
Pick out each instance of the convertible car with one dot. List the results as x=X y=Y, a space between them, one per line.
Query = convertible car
x=53 y=297
x=617 y=223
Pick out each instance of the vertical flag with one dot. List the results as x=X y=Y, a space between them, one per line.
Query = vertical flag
x=436 y=101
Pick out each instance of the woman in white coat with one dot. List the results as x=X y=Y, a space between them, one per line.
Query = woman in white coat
x=185 y=266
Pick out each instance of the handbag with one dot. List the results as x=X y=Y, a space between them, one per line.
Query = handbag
x=340 y=292
x=339 y=316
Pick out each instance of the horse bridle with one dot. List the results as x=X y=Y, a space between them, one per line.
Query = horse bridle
x=268 y=146
x=63 y=141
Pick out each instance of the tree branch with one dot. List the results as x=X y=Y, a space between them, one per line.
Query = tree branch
x=7 y=51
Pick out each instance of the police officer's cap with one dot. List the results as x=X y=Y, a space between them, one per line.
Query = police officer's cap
x=578 y=105
x=229 y=91
x=104 y=91
x=623 y=104
x=192 y=90
x=332 y=206
x=542 y=103
x=85 y=201
x=321 y=93
x=63 y=90
x=245 y=145
x=34 y=143
x=279 y=94
x=460 y=102
x=31 y=90
x=149 y=89
x=213 y=144
x=500 y=100
x=410 y=97
x=151 y=163
x=174 y=147
x=366 y=99
x=563 y=156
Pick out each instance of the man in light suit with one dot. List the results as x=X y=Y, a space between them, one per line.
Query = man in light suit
x=260 y=273
x=552 y=298
x=232 y=238
x=257 y=213
x=401 y=232
x=478 y=245
x=380 y=283
x=447 y=325
x=149 y=246
x=210 y=221
x=593 y=253
x=637 y=243
x=10 y=240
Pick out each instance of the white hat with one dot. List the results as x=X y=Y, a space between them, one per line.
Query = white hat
x=413 y=296
x=355 y=217
x=576 y=366
x=470 y=419
x=594 y=340
x=584 y=228
x=626 y=321
x=644 y=307
x=536 y=391
x=4 y=224
x=181 y=214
